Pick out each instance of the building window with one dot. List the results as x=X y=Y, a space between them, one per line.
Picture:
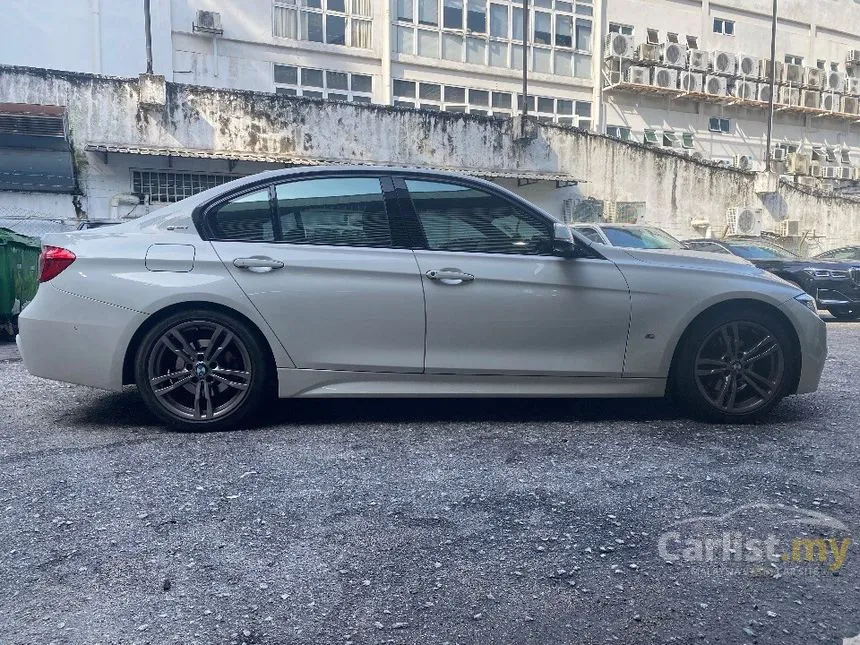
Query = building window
x=616 y=28
x=717 y=124
x=670 y=139
x=327 y=21
x=723 y=26
x=619 y=132
x=687 y=140
x=489 y=32
x=653 y=37
x=167 y=187
x=650 y=138
x=323 y=84
x=693 y=42
x=791 y=59
x=672 y=37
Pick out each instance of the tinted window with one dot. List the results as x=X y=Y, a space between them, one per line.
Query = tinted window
x=591 y=234
x=341 y=211
x=246 y=218
x=641 y=238
x=760 y=251
x=460 y=218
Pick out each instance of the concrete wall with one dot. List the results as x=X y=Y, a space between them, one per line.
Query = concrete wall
x=675 y=189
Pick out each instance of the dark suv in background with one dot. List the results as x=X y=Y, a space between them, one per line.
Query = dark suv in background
x=835 y=285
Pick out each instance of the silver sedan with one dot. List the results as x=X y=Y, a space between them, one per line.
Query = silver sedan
x=357 y=282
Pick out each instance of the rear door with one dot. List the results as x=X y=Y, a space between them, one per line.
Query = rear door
x=499 y=301
x=319 y=259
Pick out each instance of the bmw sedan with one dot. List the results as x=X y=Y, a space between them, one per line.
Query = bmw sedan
x=369 y=282
x=835 y=284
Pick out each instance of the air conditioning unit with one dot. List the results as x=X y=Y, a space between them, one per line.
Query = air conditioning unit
x=665 y=78
x=808 y=182
x=850 y=105
x=814 y=77
x=674 y=55
x=765 y=69
x=810 y=98
x=829 y=172
x=639 y=75
x=853 y=57
x=744 y=221
x=792 y=74
x=852 y=86
x=619 y=46
x=779 y=154
x=743 y=162
x=831 y=102
x=715 y=85
x=748 y=66
x=649 y=52
x=815 y=169
x=691 y=82
x=208 y=22
x=764 y=92
x=789 y=228
x=745 y=90
x=699 y=60
x=835 y=81
x=845 y=173
x=724 y=62
x=797 y=163
x=789 y=96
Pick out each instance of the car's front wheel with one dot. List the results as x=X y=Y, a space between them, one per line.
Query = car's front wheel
x=201 y=370
x=734 y=367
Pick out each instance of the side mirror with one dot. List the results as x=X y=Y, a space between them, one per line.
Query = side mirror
x=564 y=244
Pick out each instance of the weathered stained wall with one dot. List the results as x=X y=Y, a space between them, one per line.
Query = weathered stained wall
x=675 y=189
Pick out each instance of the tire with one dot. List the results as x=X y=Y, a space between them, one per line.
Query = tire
x=194 y=384
x=845 y=313
x=756 y=375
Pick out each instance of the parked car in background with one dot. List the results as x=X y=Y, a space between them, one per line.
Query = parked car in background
x=369 y=282
x=835 y=285
x=630 y=236
x=844 y=254
x=19 y=277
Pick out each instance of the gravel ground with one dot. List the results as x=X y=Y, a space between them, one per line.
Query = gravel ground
x=419 y=522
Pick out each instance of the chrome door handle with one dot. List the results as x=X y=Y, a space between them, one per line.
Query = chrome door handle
x=261 y=264
x=449 y=276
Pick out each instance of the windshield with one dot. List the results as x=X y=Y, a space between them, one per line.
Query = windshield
x=641 y=238
x=760 y=251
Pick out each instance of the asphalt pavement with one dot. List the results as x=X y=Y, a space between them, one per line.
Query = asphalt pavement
x=491 y=521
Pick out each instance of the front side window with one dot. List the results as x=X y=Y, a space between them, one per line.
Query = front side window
x=464 y=219
x=334 y=211
x=247 y=219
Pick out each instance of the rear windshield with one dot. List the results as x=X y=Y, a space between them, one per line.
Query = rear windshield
x=641 y=238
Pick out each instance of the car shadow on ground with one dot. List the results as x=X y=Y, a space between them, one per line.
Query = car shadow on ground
x=126 y=409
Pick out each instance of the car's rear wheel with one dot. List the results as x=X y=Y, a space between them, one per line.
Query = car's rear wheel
x=845 y=313
x=201 y=370
x=734 y=367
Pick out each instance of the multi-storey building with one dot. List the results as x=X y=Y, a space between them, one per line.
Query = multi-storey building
x=691 y=75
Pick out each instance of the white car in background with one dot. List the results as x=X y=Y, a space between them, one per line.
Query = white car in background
x=355 y=282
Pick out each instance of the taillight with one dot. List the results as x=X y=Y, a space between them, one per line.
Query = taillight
x=53 y=261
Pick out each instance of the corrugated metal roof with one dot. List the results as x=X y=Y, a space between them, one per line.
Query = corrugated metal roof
x=265 y=157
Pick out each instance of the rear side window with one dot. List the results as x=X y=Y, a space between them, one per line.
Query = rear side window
x=465 y=219
x=247 y=218
x=338 y=211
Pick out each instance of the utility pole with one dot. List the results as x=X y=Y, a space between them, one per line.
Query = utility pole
x=526 y=66
x=147 y=19
x=770 y=103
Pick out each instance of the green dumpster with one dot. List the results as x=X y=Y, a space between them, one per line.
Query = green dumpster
x=19 y=276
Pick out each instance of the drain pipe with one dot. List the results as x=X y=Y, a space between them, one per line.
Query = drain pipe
x=147 y=19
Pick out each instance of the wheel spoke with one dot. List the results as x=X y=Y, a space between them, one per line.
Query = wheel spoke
x=207 y=391
x=727 y=341
x=761 y=379
x=764 y=394
x=217 y=346
x=158 y=380
x=229 y=383
x=183 y=381
x=733 y=393
x=721 y=397
x=197 y=400
x=762 y=354
x=169 y=343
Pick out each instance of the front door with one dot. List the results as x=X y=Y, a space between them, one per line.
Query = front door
x=316 y=258
x=498 y=300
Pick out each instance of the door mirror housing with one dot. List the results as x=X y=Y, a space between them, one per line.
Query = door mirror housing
x=565 y=244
